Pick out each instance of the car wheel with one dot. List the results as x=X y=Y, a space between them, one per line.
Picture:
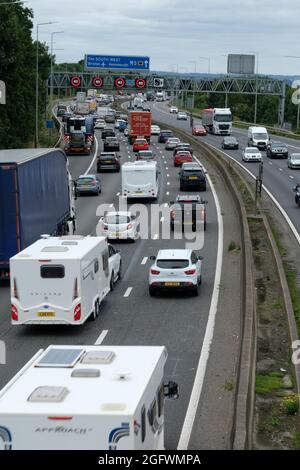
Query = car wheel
x=200 y=281
x=98 y=308
x=152 y=291
x=195 y=291
x=120 y=272
x=205 y=225
x=93 y=315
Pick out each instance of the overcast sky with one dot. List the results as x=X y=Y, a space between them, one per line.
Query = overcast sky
x=175 y=32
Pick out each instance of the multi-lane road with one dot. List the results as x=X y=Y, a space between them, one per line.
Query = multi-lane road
x=128 y=315
x=278 y=179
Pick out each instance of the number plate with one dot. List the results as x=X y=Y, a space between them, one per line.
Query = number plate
x=46 y=314
x=193 y=177
x=172 y=284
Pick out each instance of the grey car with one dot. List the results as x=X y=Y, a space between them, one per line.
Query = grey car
x=87 y=184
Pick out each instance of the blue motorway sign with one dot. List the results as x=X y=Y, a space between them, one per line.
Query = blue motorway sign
x=112 y=62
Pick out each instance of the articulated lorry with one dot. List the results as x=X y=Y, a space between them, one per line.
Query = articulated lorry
x=79 y=135
x=217 y=120
x=36 y=198
x=140 y=125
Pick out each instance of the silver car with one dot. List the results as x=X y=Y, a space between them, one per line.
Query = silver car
x=87 y=184
x=293 y=161
x=181 y=116
x=171 y=143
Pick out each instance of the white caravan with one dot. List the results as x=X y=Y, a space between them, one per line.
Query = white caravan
x=258 y=137
x=59 y=280
x=140 y=180
x=87 y=398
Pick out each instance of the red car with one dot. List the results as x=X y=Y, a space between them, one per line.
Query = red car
x=182 y=157
x=199 y=130
x=140 y=144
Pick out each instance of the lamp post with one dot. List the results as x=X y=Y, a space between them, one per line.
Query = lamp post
x=37 y=84
x=51 y=67
x=256 y=85
x=195 y=71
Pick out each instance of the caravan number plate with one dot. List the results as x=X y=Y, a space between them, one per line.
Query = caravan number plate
x=46 y=314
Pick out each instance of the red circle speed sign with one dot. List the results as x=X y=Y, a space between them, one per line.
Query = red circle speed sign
x=120 y=82
x=97 y=82
x=75 y=81
x=140 y=83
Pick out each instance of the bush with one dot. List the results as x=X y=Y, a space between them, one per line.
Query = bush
x=291 y=404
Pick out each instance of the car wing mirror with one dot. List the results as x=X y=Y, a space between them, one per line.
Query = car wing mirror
x=152 y=258
x=199 y=258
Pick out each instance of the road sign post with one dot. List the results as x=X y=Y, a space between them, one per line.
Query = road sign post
x=117 y=62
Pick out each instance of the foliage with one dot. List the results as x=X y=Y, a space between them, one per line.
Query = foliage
x=291 y=404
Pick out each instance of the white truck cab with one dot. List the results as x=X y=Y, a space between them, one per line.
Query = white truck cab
x=258 y=137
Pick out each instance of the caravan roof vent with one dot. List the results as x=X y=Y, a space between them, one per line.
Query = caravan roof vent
x=98 y=357
x=69 y=243
x=122 y=375
x=85 y=373
x=71 y=237
x=48 y=394
x=58 y=357
x=54 y=249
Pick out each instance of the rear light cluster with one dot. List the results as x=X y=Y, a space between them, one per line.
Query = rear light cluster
x=155 y=272
x=77 y=312
x=190 y=272
x=14 y=313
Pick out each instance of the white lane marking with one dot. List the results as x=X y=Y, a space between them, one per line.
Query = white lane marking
x=280 y=169
x=94 y=157
x=290 y=176
x=144 y=261
x=111 y=205
x=101 y=337
x=168 y=182
x=167 y=167
x=128 y=292
x=168 y=175
x=270 y=163
x=118 y=194
x=209 y=333
x=155 y=237
x=276 y=202
x=162 y=219
x=166 y=204
x=167 y=193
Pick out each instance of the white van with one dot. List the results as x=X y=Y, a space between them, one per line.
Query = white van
x=59 y=280
x=87 y=398
x=140 y=179
x=258 y=137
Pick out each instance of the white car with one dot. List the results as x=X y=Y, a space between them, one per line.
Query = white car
x=100 y=124
x=155 y=130
x=171 y=143
x=182 y=116
x=115 y=265
x=293 y=161
x=251 y=154
x=118 y=123
x=120 y=225
x=175 y=269
x=173 y=110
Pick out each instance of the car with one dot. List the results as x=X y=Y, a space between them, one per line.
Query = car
x=146 y=155
x=230 y=142
x=164 y=135
x=107 y=132
x=171 y=143
x=277 y=150
x=111 y=144
x=296 y=189
x=181 y=116
x=173 y=110
x=251 y=154
x=121 y=225
x=140 y=144
x=124 y=117
x=175 y=270
x=108 y=161
x=114 y=265
x=117 y=123
x=188 y=211
x=86 y=184
x=183 y=146
x=109 y=118
x=199 y=130
x=293 y=161
x=184 y=156
x=126 y=132
x=147 y=108
x=192 y=176
x=100 y=124
x=155 y=130
x=130 y=106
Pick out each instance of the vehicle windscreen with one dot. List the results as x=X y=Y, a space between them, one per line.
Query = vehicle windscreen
x=261 y=135
x=251 y=151
x=85 y=181
x=109 y=158
x=223 y=118
x=172 y=264
x=146 y=154
x=117 y=219
x=295 y=156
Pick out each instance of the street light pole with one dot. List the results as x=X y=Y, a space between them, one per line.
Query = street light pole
x=195 y=71
x=256 y=85
x=37 y=84
x=51 y=68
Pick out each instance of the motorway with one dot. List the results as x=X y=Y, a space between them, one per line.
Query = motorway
x=277 y=177
x=128 y=315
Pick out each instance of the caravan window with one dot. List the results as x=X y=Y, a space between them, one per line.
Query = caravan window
x=160 y=400
x=105 y=262
x=143 y=423
x=52 y=271
x=152 y=412
x=96 y=266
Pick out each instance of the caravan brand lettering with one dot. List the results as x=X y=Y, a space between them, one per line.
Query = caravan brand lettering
x=64 y=430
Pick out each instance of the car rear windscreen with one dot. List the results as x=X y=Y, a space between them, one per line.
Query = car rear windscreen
x=172 y=264
x=52 y=272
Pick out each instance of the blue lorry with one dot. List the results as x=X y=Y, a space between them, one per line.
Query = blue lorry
x=36 y=198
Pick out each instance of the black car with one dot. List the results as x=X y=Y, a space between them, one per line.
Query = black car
x=164 y=136
x=230 y=143
x=192 y=177
x=108 y=161
x=277 y=150
x=185 y=147
x=188 y=211
x=111 y=144
x=107 y=133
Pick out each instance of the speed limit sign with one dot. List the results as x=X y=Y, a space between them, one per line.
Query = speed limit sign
x=140 y=83
x=75 y=81
x=120 y=82
x=97 y=82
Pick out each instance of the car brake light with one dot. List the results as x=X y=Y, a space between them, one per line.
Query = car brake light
x=105 y=227
x=15 y=290
x=190 y=272
x=155 y=272
x=129 y=226
x=14 y=313
x=77 y=312
x=75 y=292
x=173 y=215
